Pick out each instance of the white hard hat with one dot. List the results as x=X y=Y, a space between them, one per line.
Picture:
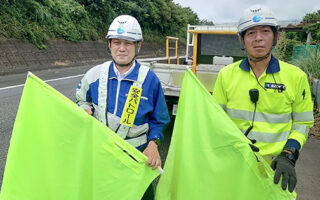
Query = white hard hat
x=125 y=27
x=256 y=15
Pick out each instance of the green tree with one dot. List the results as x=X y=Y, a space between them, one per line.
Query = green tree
x=313 y=24
x=38 y=21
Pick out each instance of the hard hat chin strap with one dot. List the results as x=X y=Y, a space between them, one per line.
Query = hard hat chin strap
x=259 y=58
x=124 y=65
x=136 y=49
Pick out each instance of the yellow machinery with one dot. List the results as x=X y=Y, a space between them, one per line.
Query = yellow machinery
x=168 y=48
x=211 y=48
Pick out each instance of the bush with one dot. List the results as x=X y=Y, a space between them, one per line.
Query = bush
x=310 y=64
x=284 y=48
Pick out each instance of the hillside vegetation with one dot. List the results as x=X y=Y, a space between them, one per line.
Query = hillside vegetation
x=38 y=21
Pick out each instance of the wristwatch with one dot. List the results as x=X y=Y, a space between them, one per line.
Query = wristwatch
x=293 y=155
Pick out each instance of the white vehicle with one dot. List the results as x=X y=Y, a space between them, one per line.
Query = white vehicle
x=208 y=49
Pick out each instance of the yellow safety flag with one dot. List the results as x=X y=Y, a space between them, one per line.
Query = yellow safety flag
x=59 y=152
x=131 y=107
x=209 y=157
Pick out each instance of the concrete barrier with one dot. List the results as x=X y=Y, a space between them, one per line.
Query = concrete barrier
x=18 y=56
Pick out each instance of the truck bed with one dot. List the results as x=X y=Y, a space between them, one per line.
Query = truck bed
x=171 y=76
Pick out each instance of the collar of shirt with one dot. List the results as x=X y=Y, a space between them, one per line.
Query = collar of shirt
x=122 y=76
x=273 y=66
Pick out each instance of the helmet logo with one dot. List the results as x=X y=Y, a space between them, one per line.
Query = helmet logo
x=120 y=30
x=257 y=18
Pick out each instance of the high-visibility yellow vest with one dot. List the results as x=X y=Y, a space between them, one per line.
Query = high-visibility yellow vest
x=209 y=158
x=284 y=109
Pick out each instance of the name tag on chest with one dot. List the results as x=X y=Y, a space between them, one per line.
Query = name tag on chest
x=275 y=86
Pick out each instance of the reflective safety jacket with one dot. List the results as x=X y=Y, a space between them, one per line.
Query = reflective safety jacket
x=101 y=91
x=284 y=110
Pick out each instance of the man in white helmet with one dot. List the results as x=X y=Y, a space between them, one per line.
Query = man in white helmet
x=268 y=99
x=125 y=95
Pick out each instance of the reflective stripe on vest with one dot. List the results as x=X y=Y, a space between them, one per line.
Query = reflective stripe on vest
x=138 y=141
x=271 y=118
x=124 y=131
x=143 y=71
x=113 y=121
x=301 y=128
x=302 y=116
x=260 y=117
x=102 y=93
x=268 y=137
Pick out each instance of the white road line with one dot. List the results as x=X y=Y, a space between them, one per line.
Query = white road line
x=10 y=87
x=50 y=80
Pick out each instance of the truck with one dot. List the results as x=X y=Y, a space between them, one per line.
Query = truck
x=208 y=49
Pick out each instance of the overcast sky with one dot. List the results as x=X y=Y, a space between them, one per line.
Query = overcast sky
x=220 y=11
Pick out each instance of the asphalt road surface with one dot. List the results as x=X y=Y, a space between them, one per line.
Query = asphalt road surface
x=65 y=80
